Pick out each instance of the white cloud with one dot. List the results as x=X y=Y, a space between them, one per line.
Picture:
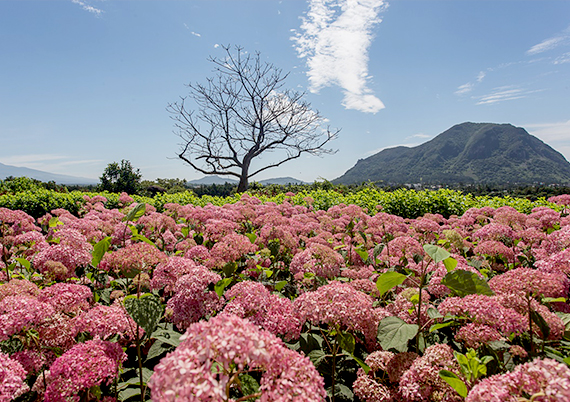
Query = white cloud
x=464 y=89
x=468 y=87
x=84 y=5
x=565 y=58
x=47 y=162
x=195 y=34
x=550 y=43
x=556 y=134
x=335 y=38
x=550 y=132
x=502 y=94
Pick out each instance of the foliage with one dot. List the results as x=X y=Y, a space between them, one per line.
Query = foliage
x=118 y=178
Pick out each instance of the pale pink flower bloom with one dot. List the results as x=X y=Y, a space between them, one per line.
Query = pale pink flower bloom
x=275 y=314
x=61 y=260
x=12 y=376
x=106 y=321
x=66 y=297
x=317 y=259
x=531 y=281
x=340 y=304
x=543 y=380
x=192 y=300
x=20 y=312
x=421 y=382
x=19 y=287
x=212 y=351
x=82 y=367
x=133 y=258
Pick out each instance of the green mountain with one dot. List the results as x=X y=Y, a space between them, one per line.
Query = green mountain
x=466 y=153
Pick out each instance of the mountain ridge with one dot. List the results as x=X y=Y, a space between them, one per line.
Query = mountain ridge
x=466 y=153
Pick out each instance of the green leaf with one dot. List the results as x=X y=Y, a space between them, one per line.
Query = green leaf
x=553 y=299
x=465 y=283
x=268 y=273
x=317 y=356
x=280 y=285
x=167 y=336
x=541 y=322
x=436 y=253
x=222 y=285
x=394 y=333
x=129 y=393
x=145 y=310
x=450 y=263
x=251 y=236
x=248 y=384
x=433 y=313
x=456 y=383
x=23 y=262
x=361 y=363
x=53 y=222
x=346 y=341
x=158 y=349
x=362 y=253
x=99 y=250
x=140 y=237
x=435 y=327
x=230 y=268
x=135 y=213
x=388 y=280
x=567 y=360
x=185 y=230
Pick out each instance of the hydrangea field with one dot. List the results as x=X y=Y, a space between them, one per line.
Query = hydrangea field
x=258 y=300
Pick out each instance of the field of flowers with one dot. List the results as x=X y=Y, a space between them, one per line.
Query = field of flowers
x=294 y=298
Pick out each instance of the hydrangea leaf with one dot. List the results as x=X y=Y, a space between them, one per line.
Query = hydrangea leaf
x=464 y=283
x=388 y=280
x=455 y=382
x=394 y=333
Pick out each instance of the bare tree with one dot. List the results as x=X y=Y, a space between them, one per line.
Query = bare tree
x=243 y=112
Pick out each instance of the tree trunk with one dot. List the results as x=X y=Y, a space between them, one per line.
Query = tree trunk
x=243 y=180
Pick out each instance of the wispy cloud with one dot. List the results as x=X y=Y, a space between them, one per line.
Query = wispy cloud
x=556 y=134
x=87 y=7
x=335 y=38
x=48 y=162
x=550 y=132
x=468 y=87
x=550 y=43
x=503 y=94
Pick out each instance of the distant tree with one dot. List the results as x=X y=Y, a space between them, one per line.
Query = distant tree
x=118 y=178
x=243 y=112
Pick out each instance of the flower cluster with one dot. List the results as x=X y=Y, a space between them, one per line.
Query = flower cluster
x=213 y=353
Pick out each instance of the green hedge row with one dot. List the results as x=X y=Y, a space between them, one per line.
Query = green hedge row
x=401 y=202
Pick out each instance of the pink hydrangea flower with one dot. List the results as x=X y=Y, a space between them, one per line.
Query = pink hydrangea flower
x=66 y=297
x=106 y=321
x=318 y=259
x=82 y=367
x=19 y=312
x=421 y=382
x=205 y=364
x=275 y=314
x=339 y=304
x=136 y=257
x=543 y=380
x=12 y=376
x=192 y=300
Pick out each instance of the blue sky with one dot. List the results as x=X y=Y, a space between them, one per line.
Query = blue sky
x=84 y=83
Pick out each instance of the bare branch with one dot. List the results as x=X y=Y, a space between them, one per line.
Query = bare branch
x=243 y=112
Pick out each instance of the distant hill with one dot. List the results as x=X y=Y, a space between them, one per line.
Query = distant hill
x=466 y=153
x=7 y=170
x=209 y=180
